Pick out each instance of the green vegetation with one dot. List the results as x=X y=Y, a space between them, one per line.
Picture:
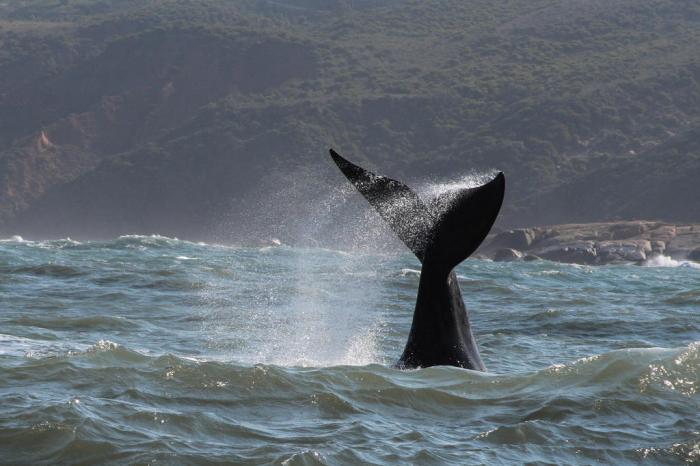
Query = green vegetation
x=158 y=113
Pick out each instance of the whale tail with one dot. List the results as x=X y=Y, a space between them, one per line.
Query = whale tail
x=443 y=237
x=464 y=222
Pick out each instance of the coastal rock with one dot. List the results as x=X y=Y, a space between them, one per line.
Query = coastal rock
x=507 y=255
x=627 y=230
x=531 y=257
x=597 y=243
x=694 y=255
x=583 y=232
x=582 y=252
x=684 y=243
x=554 y=242
x=658 y=247
x=623 y=251
x=514 y=239
x=663 y=233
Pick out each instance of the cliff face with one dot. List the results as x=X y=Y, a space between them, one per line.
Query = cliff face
x=167 y=116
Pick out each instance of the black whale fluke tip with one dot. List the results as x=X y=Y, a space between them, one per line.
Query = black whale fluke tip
x=499 y=179
x=496 y=188
x=341 y=162
x=335 y=156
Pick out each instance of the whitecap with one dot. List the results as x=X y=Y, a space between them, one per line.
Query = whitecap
x=102 y=345
x=13 y=239
x=666 y=261
x=148 y=237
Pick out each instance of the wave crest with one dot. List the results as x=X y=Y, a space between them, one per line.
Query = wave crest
x=666 y=261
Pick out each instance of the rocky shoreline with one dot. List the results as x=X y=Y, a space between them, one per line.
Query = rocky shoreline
x=596 y=243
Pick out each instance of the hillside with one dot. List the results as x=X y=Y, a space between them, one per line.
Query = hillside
x=212 y=119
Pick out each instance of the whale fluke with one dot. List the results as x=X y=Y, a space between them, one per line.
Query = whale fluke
x=464 y=220
x=441 y=237
x=396 y=203
x=453 y=229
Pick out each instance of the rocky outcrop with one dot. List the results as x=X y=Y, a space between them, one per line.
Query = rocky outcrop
x=596 y=243
x=694 y=255
x=515 y=239
x=683 y=242
x=632 y=250
x=627 y=230
x=579 y=252
x=507 y=255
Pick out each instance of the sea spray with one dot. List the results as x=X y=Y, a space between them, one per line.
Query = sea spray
x=666 y=261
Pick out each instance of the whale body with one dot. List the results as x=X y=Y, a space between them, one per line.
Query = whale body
x=441 y=236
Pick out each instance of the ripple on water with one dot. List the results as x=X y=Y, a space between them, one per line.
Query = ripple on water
x=123 y=353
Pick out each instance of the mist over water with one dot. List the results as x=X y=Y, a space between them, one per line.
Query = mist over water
x=312 y=208
x=312 y=318
x=428 y=190
x=305 y=211
x=298 y=316
x=148 y=348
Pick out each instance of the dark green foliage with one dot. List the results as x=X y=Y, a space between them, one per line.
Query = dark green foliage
x=582 y=104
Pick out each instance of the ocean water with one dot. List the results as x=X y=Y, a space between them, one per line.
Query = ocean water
x=150 y=350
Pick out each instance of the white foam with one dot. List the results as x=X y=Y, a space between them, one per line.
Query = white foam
x=666 y=261
x=154 y=236
x=56 y=243
x=13 y=239
x=103 y=345
x=43 y=244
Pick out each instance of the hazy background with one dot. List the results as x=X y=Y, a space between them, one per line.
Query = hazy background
x=211 y=120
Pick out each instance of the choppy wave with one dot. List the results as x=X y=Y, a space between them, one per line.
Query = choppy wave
x=179 y=409
x=666 y=261
x=154 y=240
x=148 y=349
x=12 y=239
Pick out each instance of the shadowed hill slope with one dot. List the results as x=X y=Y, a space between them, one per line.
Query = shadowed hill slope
x=167 y=116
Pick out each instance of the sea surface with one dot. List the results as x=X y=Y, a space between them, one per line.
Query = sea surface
x=151 y=350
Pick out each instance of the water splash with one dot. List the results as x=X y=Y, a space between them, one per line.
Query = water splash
x=434 y=189
x=439 y=195
x=13 y=239
x=312 y=320
x=307 y=319
x=666 y=261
